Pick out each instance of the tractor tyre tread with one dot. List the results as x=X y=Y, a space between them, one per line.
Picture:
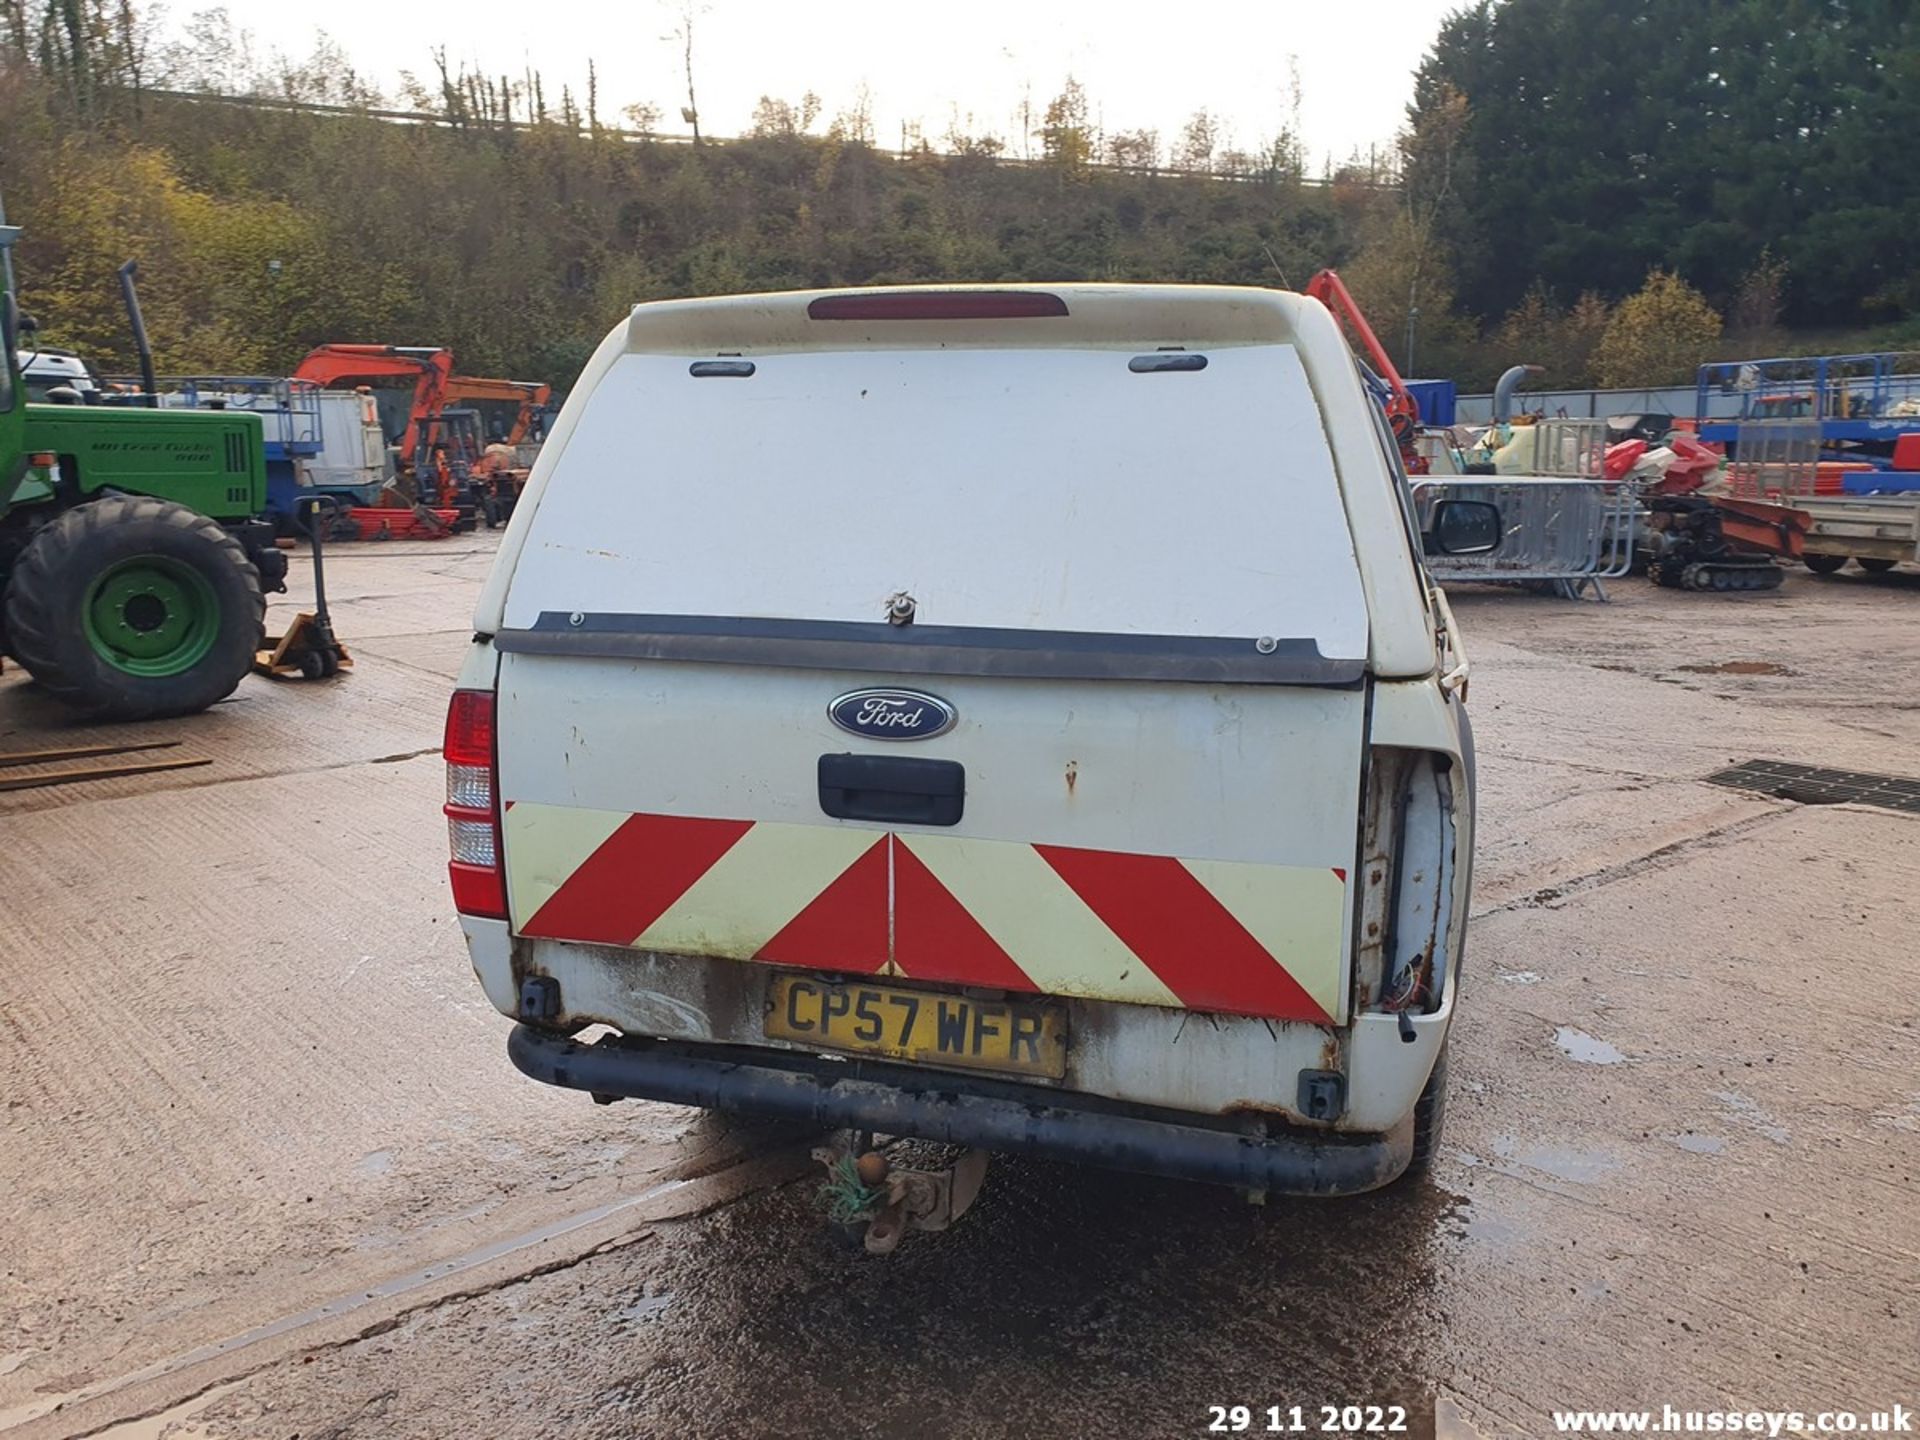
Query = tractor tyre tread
x=44 y=598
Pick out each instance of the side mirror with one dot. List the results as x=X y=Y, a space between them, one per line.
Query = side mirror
x=1464 y=527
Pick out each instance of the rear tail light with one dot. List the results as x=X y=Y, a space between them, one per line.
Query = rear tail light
x=473 y=808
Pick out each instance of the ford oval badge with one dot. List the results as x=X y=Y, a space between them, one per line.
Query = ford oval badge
x=892 y=714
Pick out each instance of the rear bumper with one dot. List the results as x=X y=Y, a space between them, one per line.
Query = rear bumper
x=963 y=1110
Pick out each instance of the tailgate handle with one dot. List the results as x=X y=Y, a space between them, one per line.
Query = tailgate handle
x=892 y=789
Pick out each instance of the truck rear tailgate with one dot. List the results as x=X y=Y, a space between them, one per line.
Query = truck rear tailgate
x=1135 y=590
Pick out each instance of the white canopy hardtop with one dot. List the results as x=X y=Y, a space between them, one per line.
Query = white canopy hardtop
x=812 y=456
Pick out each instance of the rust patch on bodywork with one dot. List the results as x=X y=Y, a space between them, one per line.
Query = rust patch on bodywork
x=1375 y=893
x=1332 y=1057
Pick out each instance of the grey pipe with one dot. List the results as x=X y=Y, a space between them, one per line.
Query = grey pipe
x=140 y=344
x=1503 y=392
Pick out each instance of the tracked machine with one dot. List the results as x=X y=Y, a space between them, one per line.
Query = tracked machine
x=1701 y=542
x=1699 y=536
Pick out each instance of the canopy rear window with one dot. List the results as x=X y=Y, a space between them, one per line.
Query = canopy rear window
x=1027 y=489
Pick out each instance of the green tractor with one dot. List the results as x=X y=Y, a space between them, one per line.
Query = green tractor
x=133 y=564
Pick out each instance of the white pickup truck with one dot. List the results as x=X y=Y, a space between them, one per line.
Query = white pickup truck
x=1010 y=716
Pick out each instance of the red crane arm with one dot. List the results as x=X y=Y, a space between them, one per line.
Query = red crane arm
x=1403 y=412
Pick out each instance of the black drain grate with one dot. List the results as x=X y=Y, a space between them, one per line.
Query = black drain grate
x=1810 y=785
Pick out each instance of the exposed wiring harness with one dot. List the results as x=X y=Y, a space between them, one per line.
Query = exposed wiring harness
x=1414 y=990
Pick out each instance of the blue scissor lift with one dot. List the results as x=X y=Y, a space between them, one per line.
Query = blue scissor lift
x=1864 y=406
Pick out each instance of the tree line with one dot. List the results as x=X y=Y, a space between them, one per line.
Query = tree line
x=1512 y=220
x=1753 y=148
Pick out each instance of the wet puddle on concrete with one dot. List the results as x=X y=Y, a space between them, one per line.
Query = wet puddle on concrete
x=1578 y=1167
x=646 y=1308
x=1587 y=1049
x=1450 y=1422
x=1904 y=1119
x=1748 y=1113
x=1179 y=1294
x=1479 y=1225
x=1700 y=1144
x=1737 y=667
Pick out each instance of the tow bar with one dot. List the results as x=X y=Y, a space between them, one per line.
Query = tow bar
x=863 y=1188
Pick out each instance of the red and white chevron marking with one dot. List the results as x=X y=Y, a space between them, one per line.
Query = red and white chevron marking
x=1150 y=929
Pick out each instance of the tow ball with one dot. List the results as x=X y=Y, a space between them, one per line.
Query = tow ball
x=864 y=1188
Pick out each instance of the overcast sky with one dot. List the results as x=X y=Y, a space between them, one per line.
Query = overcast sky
x=1143 y=65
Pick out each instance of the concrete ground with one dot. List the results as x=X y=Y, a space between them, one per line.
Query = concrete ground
x=269 y=1173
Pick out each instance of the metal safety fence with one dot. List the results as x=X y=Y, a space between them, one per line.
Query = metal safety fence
x=1570 y=534
x=1774 y=460
x=1570 y=449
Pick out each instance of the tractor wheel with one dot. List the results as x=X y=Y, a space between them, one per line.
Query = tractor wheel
x=1873 y=564
x=132 y=608
x=1823 y=564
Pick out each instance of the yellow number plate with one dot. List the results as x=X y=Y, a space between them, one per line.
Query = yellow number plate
x=1015 y=1037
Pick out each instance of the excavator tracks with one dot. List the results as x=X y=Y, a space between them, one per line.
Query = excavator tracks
x=1725 y=576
